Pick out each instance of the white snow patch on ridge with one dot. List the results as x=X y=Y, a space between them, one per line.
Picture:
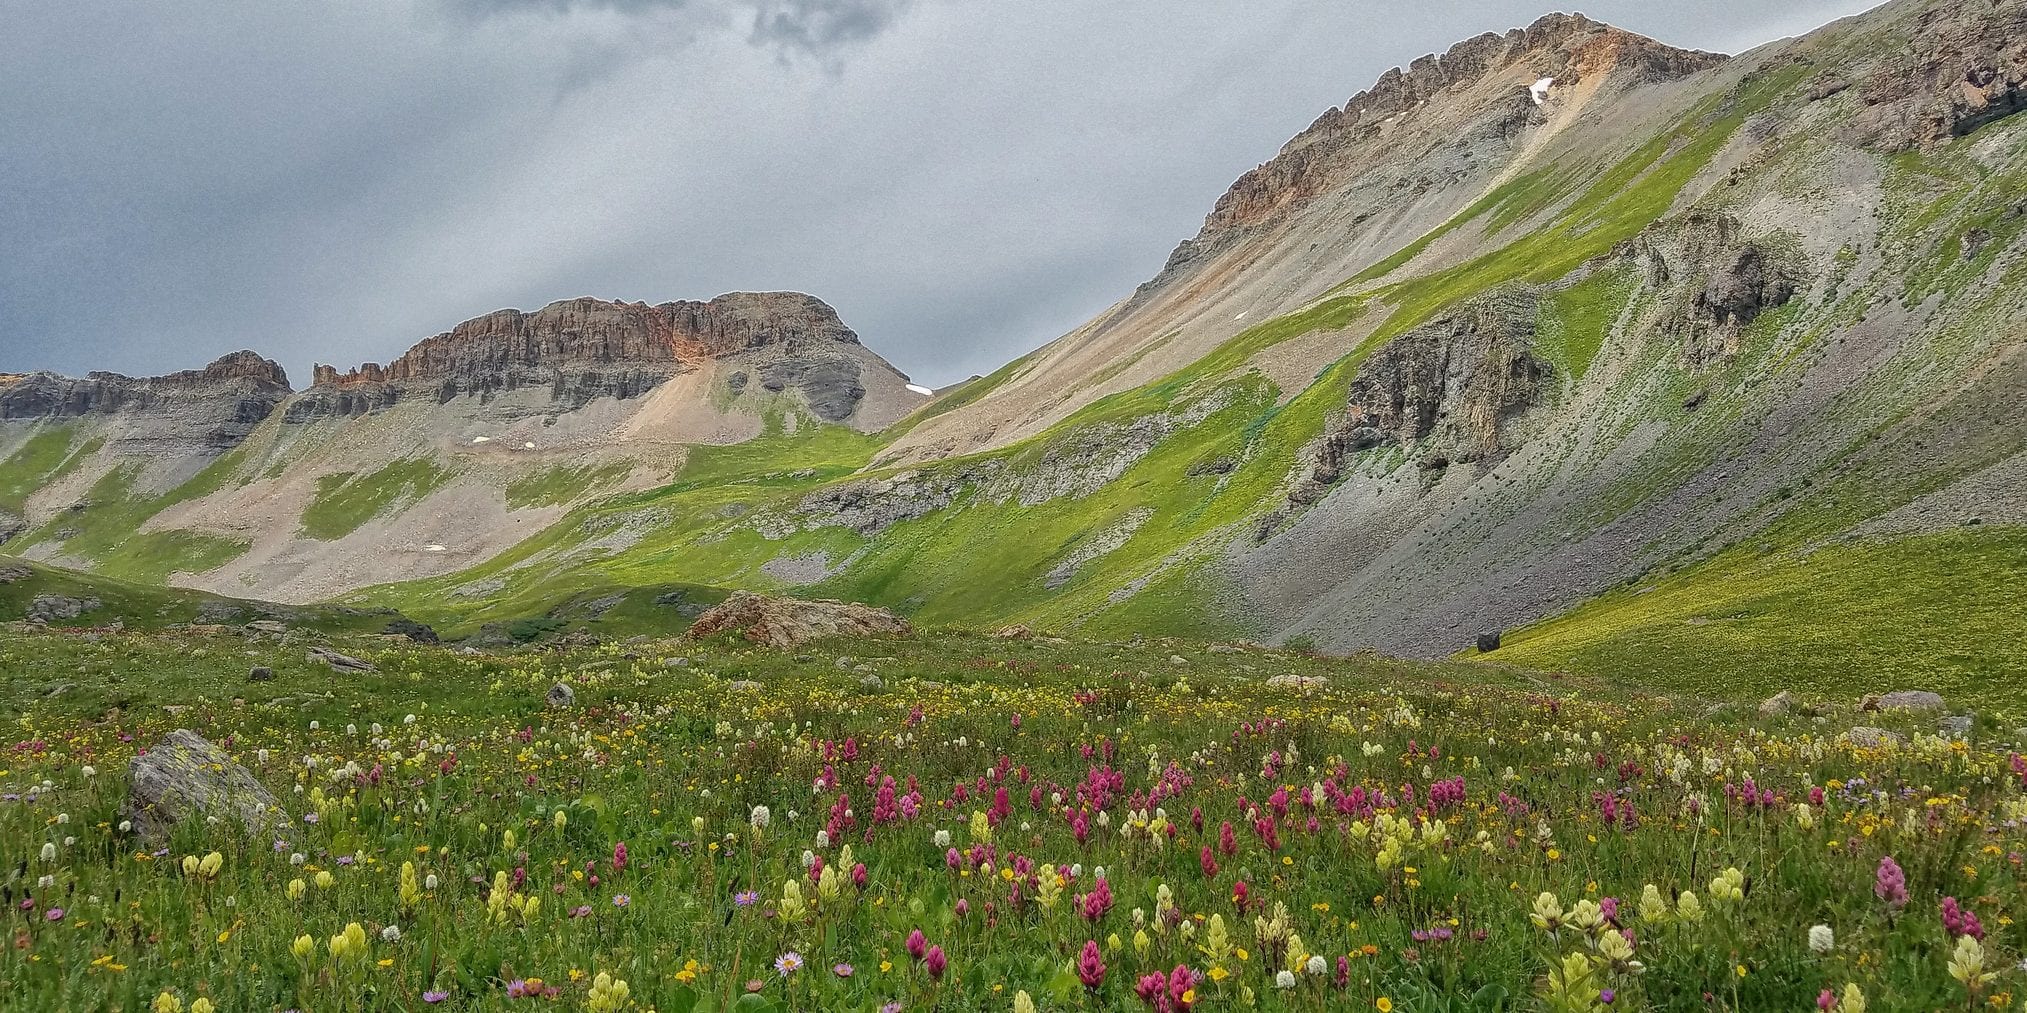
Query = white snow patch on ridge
x=1539 y=90
x=919 y=389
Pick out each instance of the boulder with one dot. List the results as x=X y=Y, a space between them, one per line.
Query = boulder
x=413 y=630
x=1018 y=631
x=560 y=696
x=260 y=673
x=338 y=662
x=1868 y=737
x=1956 y=725
x=186 y=776
x=1778 y=704
x=1489 y=642
x=1905 y=700
x=51 y=608
x=792 y=622
x=267 y=626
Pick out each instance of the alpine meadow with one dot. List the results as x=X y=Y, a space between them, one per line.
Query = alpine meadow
x=1554 y=540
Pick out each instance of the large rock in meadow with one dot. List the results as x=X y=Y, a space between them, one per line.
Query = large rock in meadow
x=792 y=622
x=187 y=777
x=1905 y=700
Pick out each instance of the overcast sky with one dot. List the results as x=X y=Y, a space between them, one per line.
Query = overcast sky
x=334 y=180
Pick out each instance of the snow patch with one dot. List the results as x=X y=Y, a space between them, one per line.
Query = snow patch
x=1241 y=316
x=481 y=439
x=530 y=445
x=434 y=548
x=1539 y=90
x=919 y=389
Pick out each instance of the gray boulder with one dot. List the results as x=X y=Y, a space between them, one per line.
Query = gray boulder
x=339 y=662
x=186 y=776
x=560 y=696
x=260 y=673
x=1868 y=737
x=1907 y=700
x=50 y=608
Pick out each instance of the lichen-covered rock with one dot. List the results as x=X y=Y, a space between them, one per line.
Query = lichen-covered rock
x=791 y=622
x=1778 y=704
x=186 y=776
x=1868 y=737
x=560 y=696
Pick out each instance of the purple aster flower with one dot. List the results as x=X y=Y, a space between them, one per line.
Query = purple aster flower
x=434 y=996
x=621 y=900
x=842 y=970
x=746 y=898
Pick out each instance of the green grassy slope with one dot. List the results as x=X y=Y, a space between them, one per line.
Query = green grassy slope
x=1937 y=612
x=145 y=606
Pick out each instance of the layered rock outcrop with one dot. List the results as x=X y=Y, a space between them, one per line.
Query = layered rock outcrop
x=583 y=349
x=214 y=407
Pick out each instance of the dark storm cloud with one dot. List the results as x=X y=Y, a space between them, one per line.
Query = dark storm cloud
x=963 y=179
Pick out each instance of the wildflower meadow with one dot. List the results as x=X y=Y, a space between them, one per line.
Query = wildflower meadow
x=966 y=823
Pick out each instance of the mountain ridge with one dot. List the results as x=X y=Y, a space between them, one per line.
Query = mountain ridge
x=1560 y=314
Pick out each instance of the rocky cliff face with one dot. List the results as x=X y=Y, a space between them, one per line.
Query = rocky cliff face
x=1961 y=67
x=1453 y=391
x=216 y=405
x=583 y=349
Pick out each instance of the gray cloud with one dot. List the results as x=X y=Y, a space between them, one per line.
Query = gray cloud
x=813 y=27
x=963 y=180
x=819 y=25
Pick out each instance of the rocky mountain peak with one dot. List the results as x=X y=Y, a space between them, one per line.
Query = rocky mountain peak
x=1564 y=48
x=240 y=365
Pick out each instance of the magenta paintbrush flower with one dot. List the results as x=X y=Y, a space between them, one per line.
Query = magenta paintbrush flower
x=1090 y=966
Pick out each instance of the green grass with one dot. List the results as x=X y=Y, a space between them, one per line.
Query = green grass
x=141 y=605
x=1574 y=322
x=107 y=531
x=42 y=459
x=346 y=500
x=1936 y=612
x=563 y=484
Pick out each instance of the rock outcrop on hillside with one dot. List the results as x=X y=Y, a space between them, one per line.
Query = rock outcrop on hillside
x=212 y=408
x=583 y=349
x=1962 y=66
x=1453 y=391
x=1717 y=281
